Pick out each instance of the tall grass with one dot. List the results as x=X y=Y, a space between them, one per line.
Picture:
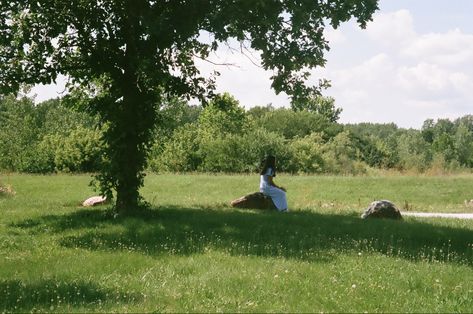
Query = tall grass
x=191 y=252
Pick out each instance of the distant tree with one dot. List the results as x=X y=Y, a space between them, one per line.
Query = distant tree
x=428 y=130
x=443 y=132
x=463 y=143
x=414 y=151
x=307 y=154
x=373 y=130
x=174 y=113
x=325 y=106
x=19 y=132
x=180 y=152
x=258 y=112
x=131 y=54
x=341 y=156
x=292 y=124
x=221 y=116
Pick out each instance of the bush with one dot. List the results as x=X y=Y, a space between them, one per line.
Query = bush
x=306 y=154
x=292 y=124
x=179 y=153
x=341 y=156
x=222 y=116
x=414 y=152
x=243 y=153
x=37 y=158
x=80 y=151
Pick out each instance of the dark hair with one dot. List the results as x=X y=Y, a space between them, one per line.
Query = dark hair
x=269 y=162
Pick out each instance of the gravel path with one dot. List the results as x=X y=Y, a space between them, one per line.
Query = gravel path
x=442 y=215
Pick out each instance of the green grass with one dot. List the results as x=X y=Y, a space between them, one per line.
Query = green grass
x=191 y=252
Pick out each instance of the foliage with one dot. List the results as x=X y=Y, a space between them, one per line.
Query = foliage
x=53 y=137
x=20 y=129
x=414 y=152
x=80 y=151
x=172 y=114
x=291 y=124
x=47 y=137
x=180 y=153
x=130 y=55
x=463 y=141
x=341 y=156
x=243 y=153
x=222 y=116
x=307 y=154
x=324 y=106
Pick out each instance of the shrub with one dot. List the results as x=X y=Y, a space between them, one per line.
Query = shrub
x=414 y=152
x=243 y=153
x=291 y=124
x=179 y=153
x=306 y=154
x=222 y=116
x=81 y=151
x=341 y=156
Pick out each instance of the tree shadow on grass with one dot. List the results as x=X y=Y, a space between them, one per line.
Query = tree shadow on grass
x=54 y=295
x=297 y=235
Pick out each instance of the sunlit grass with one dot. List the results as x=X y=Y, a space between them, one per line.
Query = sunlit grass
x=191 y=252
x=319 y=193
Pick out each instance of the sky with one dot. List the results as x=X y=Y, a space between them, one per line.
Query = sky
x=413 y=62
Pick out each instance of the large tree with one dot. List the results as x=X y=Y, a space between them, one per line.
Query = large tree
x=130 y=54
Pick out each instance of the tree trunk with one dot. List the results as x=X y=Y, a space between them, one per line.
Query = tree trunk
x=134 y=118
x=132 y=137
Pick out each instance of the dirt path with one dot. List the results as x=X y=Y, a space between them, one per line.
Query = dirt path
x=441 y=215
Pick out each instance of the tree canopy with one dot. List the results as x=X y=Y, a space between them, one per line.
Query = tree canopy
x=126 y=56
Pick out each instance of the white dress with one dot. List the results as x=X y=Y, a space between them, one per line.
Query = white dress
x=277 y=195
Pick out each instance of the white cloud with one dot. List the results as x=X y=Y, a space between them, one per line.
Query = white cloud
x=334 y=36
x=405 y=77
x=429 y=77
x=367 y=73
x=450 y=48
x=393 y=29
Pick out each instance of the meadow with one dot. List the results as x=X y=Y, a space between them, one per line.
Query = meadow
x=190 y=252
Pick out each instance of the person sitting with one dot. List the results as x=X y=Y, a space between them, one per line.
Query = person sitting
x=269 y=188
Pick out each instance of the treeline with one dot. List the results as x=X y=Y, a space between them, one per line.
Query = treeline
x=223 y=137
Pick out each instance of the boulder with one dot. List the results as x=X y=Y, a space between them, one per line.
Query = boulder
x=255 y=200
x=382 y=209
x=6 y=190
x=94 y=200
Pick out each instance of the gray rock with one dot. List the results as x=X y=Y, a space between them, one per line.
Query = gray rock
x=255 y=200
x=382 y=209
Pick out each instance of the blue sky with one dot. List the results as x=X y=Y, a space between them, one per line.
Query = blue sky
x=414 y=61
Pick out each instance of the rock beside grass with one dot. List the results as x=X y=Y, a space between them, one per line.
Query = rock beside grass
x=382 y=209
x=94 y=200
x=255 y=200
x=6 y=190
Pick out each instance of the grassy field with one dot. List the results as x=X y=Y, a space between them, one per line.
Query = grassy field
x=191 y=252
